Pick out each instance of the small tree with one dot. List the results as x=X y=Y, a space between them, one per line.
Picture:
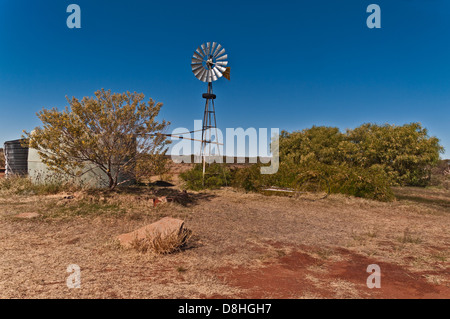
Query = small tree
x=151 y=165
x=111 y=131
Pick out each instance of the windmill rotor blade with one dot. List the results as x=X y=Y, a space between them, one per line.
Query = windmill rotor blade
x=209 y=76
x=217 y=72
x=208 y=48
x=220 y=53
x=204 y=48
x=223 y=57
x=212 y=47
x=217 y=50
x=200 y=52
x=222 y=63
x=204 y=76
x=195 y=67
x=196 y=61
x=199 y=72
x=201 y=75
x=213 y=75
x=221 y=68
x=197 y=56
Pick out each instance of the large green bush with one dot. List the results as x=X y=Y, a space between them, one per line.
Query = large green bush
x=406 y=153
x=371 y=183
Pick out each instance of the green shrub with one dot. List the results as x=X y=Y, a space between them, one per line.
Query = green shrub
x=313 y=176
x=216 y=176
x=371 y=183
x=248 y=178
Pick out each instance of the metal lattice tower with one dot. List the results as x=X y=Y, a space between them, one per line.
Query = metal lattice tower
x=209 y=124
x=209 y=64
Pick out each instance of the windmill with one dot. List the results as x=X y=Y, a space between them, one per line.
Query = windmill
x=208 y=65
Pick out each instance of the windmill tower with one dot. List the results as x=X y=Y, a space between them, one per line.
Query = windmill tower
x=208 y=65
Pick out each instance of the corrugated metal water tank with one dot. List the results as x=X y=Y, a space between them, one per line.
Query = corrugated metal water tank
x=40 y=173
x=16 y=158
x=93 y=177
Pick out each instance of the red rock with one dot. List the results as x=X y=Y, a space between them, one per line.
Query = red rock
x=164 y=227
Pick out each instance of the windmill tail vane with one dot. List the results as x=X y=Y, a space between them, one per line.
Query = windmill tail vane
x=226 y=74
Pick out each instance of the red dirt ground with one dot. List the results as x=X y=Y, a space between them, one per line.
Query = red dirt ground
x=300 y=275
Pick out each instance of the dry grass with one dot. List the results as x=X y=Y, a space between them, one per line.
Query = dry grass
x=410 y=238
x=230 y=228
x=161 y=245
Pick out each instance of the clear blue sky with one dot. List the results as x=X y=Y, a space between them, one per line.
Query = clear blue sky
x=294 y=64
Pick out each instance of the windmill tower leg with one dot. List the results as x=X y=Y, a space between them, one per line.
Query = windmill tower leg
x=204 y=131
x=209 y=123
